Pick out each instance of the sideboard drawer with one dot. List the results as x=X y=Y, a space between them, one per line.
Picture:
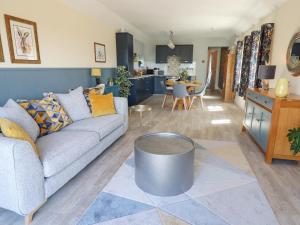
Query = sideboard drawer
x=262 y=100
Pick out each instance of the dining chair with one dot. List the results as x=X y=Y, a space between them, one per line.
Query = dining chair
x=168 y=91
x=198 y=94
x=180 y=93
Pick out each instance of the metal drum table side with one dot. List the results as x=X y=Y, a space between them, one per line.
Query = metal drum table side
x=164 y=163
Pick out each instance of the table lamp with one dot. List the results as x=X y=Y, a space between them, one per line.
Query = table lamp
x=96 y=72
x=266 y=73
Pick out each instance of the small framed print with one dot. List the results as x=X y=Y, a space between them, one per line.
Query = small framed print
x=1 y=52
x=100 y=54
x=22 y=40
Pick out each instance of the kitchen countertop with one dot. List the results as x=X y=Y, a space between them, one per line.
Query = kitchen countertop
x=152 y=75
x=147 y=75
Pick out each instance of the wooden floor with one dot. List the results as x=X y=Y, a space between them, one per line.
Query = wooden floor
x=280 y=181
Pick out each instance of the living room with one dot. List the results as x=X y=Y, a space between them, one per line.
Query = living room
x=116 y=112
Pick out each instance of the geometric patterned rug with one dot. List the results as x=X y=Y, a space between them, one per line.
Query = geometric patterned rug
x=225 y=192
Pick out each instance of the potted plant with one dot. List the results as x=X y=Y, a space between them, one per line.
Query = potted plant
x=123 y=81
x=294 y=139
x=184 y=75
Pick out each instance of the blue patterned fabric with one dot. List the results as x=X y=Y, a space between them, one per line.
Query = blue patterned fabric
x=266 y=37
x=238 y=66
x=254 y=60
x=245 y=66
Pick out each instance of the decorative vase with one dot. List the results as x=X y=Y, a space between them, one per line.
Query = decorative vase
x=282 y=88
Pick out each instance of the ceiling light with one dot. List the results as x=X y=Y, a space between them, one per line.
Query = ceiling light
x=171 y=44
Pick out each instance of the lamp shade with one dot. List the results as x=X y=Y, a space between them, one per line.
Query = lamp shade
x=266 y=72
x=96 y=72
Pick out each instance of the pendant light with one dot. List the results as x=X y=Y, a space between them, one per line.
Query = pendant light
x=171 y=44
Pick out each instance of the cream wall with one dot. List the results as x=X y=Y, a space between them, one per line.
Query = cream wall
x=287 y=23
x=286 y=19
x=66 y=34
x=201 y=53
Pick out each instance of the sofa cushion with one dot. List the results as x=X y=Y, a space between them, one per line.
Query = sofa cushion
x=14 y=112
x=99 y=90
x=75 y=104
x=103 y=125
x=47 y=113
x=102 y=105
x=11 y=129
x=58 y=150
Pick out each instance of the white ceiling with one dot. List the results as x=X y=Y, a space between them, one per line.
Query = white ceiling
x=191 y=18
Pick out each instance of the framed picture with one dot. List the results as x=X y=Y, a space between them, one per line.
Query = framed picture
x=1 y=52
x=100 y=54
x=22 y=40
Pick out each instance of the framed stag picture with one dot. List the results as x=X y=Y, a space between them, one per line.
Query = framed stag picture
x=100 y=54
x=1 y=52
x=22 y=40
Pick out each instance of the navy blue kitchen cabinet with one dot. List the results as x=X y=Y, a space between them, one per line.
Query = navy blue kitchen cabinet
x=141 y=89
x=162 y=53
x=159 y=85
x=124 y=44
x=184 y=52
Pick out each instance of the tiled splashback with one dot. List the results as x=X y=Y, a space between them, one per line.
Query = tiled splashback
x=190 y=67
x=173 y=65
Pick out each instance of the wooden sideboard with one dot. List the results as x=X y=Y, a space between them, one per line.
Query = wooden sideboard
x=268 y=119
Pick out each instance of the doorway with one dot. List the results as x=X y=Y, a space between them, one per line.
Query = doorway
x=216 y=63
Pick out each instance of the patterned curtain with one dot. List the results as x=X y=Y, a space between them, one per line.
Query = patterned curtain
x=237 y=66
x=267 y=31
x=255 y=45
x=245 y=65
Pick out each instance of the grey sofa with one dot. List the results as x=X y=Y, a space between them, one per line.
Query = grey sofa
x=26 y=181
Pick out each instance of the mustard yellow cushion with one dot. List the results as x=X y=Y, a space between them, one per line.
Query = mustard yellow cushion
x=102 y=104
x=12 y=130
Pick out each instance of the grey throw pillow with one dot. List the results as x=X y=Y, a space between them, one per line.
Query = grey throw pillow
x=75 y=104
x=14 y=112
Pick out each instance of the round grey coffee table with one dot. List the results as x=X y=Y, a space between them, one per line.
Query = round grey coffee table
x=164 y=163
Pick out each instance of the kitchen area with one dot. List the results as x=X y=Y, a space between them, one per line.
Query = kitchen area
x=149 y=77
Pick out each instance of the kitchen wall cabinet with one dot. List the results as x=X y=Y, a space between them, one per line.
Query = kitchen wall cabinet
x=184 y=52
x=124 y=45
x=162 y=53
x=268 y=119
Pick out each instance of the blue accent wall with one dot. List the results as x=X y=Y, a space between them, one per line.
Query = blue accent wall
x=30 y=83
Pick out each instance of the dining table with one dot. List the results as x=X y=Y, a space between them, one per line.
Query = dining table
x=190 y=86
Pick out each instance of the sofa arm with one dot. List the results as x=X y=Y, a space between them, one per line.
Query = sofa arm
x=121 y=105
x=21 y=177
